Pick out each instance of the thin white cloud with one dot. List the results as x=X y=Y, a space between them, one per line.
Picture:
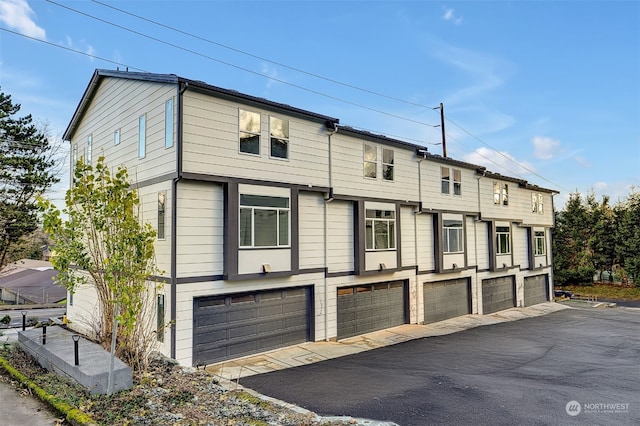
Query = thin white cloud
x=271 y=72
x=502 y=162
x=583 y=162
x=545 y=148
x=17 y=14
x=450 y=15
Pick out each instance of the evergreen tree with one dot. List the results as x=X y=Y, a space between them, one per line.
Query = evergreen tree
x=26 y=171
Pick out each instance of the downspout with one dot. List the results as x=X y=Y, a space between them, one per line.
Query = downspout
x=415 y=237
x=174 y=216
x=330 y=131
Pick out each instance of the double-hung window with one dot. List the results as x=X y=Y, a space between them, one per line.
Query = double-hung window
x=249 y=132
x=370 y=161
x=457 y=182
x=503 y=240
x=445 y=178
x=380 y=229
x=452 y=236
x=279 y=133
x=264 y=221
x=387 y=164
x=500 y=194
x=539 y=246
x=536 y=203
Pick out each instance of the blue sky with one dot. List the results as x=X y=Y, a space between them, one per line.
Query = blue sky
x=548 y=91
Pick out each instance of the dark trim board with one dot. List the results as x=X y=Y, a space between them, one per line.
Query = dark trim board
x=201 y=177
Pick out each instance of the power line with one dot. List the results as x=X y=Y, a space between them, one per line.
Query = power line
x=211 y=58
x=331 y=80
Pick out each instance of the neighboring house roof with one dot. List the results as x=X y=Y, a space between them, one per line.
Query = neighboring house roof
x=330 y=122
x=33 y=281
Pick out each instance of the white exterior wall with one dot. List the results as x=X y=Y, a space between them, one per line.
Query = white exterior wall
x=200 y=229
x=118 y=104
x=425 y=242
x=431 y=184
x=340 y=236
x=211 y=144
x=482 y=244
x=311 y=208
x=347 y=159
x=408 y=235
x=520 y=246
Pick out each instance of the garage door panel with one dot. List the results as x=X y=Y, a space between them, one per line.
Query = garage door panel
x=536 y=290
x=241 y=324
x=446 y=299
x=498 y=294
x=363 y=309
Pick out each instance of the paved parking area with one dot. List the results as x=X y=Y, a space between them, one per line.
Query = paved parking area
x=573 y=366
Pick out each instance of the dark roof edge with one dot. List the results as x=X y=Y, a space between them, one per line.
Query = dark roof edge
x=521 y=182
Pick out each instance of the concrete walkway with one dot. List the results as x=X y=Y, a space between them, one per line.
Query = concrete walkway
x=18 y=409
x=311 y=352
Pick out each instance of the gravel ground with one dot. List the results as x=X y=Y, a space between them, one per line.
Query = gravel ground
x=167 y=394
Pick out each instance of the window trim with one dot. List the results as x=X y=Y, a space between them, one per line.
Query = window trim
x=391 y=229
x=116 y=137
x=241 y=131
x=502 y=234
x=500 y=193
x=457 y=183
x=272 y=137
x=252 y=208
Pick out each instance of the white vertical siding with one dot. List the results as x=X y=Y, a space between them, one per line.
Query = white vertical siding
x=520 y=246
x=432 y=196
x=482 y=232
x=470 y=247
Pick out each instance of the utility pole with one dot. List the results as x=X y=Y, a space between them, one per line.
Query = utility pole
x=444 y=138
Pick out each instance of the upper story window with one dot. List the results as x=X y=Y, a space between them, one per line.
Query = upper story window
x=539 y=244
x=380 y=229
x=500 y=194
x=537 y=203
x=142 y=136
x=279 y=136
x=161 y=216
x=503 y=240
x=116 y=137
x=264 y=221
x=452 y=236
x=457 y=182
x=168 y=123
x=370 y=161
x=89 y=148
x=446 y=176
x=387 y=164
x=249 y=132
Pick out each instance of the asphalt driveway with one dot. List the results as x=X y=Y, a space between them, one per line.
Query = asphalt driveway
x=525 y=372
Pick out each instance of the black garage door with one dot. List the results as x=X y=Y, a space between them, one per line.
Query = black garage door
x=498 y=294
x=231 y=326
x=446 y=299
x=536 y=290
x=370 y=307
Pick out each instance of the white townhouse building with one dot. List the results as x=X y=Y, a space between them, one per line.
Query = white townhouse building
x=278 y=225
